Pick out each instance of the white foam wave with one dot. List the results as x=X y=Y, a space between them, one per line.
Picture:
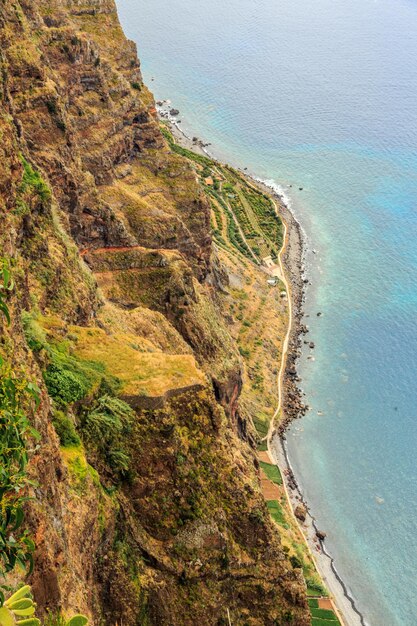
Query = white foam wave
x=278 y=189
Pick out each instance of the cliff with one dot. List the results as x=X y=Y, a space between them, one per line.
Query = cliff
x=146 y=505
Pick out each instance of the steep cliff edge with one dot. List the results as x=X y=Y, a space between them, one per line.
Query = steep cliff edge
x=147 y=508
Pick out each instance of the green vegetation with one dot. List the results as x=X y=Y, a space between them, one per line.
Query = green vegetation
x=106 y=427
x=65 y=429
x=20 y=609
x=32 y=184
x=85 y=404
x=272 y=471
x=68 y=378
x=65 y=381
x=245 y=218
x=33 y=181
x=277 y=513
x=6 y=286
x=261 y=425
x=324 y=614
x=245 y=352
x=321 y=617
x=266 y=216
x=82 y=474
x=315 y=588
x=17 y=398
x=330 y=620
x=197 y=158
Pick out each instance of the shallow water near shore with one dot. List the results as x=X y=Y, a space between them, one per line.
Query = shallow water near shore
x=323 y=96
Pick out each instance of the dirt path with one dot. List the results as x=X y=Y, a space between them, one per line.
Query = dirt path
x=281 y=275
x=288 y=333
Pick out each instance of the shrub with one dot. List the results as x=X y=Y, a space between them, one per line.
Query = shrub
x=32 y=181
x=295 y=562
x=245 y=352
x=17 y=397
x=51 y=106
x=106 y=426
x=65 y=386
x=65 y=429
x=34 y=333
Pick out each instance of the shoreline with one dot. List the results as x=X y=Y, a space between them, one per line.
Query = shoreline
x=289 y=394
x=293 y=408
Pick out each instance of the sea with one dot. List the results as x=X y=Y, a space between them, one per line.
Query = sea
x=321 y=99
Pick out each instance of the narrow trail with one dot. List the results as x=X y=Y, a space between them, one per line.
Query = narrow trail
x=109 y=249
x=287 y=335
x=283 y=278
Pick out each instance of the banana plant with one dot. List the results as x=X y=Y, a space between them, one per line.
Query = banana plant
x=19 y=610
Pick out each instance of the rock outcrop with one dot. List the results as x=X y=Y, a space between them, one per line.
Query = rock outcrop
x=147 y=508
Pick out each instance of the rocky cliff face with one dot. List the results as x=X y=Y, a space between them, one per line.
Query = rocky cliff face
x=147 y=509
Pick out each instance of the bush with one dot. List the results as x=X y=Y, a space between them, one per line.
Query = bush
x=65 y=386
x=65 y=429
x=245 y=352
x=34 y=333
x=295 y=562
x=32 y=181
x=51 y=106
x=17 y=398
x=107 y=427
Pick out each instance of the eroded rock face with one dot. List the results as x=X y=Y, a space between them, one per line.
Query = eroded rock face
x=91 y=196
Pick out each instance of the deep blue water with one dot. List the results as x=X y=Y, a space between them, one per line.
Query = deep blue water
x=323 y=95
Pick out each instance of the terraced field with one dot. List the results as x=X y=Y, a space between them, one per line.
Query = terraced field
x=321 y=616
x=244 y=217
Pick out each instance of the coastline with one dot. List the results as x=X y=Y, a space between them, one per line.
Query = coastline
x=291 y=406
x=294 y=408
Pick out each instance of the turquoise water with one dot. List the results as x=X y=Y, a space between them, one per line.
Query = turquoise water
x=323 y=96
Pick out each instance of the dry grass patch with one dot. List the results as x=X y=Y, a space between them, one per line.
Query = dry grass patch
x=128 y=358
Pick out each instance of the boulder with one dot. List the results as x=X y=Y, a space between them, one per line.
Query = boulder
x=300 y=512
